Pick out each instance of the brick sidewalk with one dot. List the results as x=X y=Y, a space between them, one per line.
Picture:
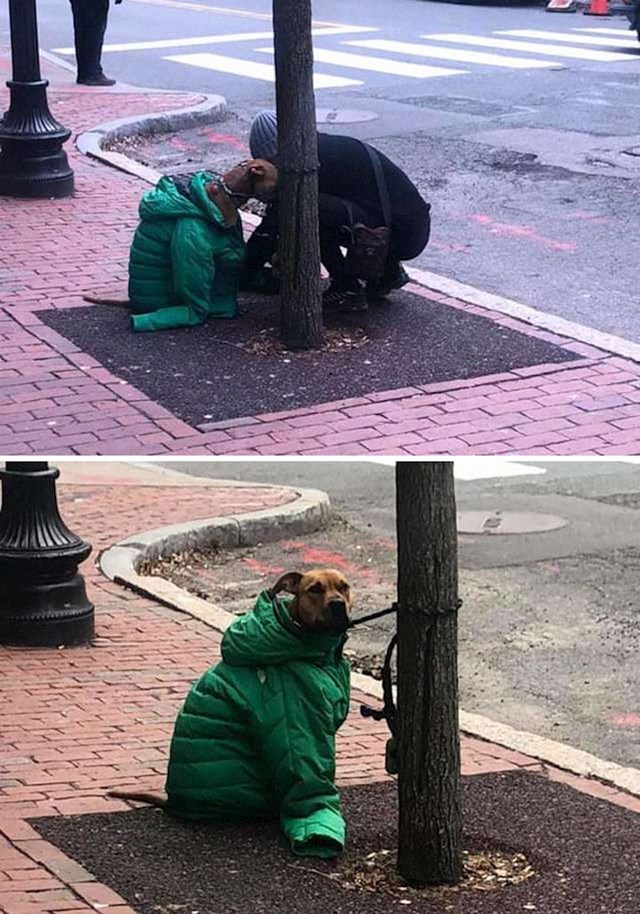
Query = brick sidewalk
x=55 y=399
x=77 y=722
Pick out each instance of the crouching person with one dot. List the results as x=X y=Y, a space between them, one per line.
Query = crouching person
x=188 y=251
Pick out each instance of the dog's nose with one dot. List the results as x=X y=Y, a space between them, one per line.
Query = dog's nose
x=338 y=610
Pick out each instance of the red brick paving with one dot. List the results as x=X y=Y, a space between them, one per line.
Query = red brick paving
x=55 y=399
x=76 y=722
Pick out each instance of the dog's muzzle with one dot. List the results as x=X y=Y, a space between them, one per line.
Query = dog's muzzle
x=338 y=614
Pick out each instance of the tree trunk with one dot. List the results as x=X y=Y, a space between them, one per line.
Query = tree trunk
x=430 y=838
x=299 y=245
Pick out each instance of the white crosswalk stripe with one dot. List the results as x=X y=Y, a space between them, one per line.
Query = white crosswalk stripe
x=621 y=41
x=457 y=55
x=628 y=34
x=377 y=64
x=529 y=47
x=460 y=53
x=210 y=39
x=253 y=70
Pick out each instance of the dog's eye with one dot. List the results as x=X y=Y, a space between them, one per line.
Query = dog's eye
x=344 y=587
x=316 y=588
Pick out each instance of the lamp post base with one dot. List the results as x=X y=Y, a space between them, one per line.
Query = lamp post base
x=32 y=160
x=47 y=615
x=43 y=601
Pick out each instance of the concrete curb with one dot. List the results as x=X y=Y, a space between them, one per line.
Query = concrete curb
x=548 y=751
x=213 y=108
x=119 y=565
x=307 y=513
x=469 y=294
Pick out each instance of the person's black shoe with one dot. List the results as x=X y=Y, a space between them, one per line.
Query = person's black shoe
x=379 y=289
x=344 y=300
x=101 y=80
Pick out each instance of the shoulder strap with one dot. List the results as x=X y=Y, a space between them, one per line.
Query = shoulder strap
x=383 y=190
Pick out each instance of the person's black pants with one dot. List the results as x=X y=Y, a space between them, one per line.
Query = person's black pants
x=89 y=26
x=334 y=215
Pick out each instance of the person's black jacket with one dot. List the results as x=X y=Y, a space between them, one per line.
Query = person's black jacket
x=345 y=171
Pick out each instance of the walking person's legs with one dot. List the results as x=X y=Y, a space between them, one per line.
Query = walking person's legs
x=90 y=23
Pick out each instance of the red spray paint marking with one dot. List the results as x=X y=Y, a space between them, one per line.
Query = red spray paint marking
x=626 y=720
x=182 y=145
x=506 y=230
x=309 y=555
x=226 y=139
x=586 y=215
x=263 y=567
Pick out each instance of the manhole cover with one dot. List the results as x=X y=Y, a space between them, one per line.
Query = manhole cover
x=343 y=116
x=508 y=522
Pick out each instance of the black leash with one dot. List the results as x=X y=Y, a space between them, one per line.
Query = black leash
x=389 y=711
x=383 y=612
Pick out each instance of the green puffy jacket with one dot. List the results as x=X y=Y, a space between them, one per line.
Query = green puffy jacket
x=184 y=264
x=256 y=734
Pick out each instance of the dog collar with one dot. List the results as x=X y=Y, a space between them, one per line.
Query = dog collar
x=230 y=193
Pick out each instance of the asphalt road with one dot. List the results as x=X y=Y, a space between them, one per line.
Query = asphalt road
x=534 y=197
x=549 y=630
x=364 y=491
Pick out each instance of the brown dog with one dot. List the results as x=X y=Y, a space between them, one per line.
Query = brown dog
x=321 y=598
x=254 y=178
x=322 y=601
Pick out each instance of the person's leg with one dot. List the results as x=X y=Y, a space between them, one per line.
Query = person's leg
x=94 y=14
x=393 y=277
x=333 y=216
x=77 y=10
x=345 y=292
x=405 y=245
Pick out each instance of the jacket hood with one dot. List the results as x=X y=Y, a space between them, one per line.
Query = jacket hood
x=165 y=201
x=267 y=637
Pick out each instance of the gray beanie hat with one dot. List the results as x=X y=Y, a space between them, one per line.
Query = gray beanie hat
x=263 y=139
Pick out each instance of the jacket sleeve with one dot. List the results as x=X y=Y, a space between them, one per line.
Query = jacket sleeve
x=299 y=758
x=192 y=263
x=192 y=268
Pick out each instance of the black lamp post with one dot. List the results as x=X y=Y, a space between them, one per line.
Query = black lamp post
x=32 y=160
x=43 y=601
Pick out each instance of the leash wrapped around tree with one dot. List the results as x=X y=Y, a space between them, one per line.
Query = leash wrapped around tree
x=389 y=711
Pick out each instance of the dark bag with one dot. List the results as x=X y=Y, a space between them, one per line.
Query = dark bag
x=369 y=247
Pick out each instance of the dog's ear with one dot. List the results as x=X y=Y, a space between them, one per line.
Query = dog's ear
x=289 y=582
x=258 y=168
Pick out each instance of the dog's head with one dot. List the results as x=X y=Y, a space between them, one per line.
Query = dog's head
x=255 y=178
x=322 y=598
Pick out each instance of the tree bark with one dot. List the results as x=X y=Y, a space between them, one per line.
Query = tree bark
x=299 y=245
x=430 y=829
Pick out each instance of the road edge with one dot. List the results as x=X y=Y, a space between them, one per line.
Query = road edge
x=118 y=563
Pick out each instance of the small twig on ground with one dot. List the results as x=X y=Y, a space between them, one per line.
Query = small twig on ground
x=310 y=869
